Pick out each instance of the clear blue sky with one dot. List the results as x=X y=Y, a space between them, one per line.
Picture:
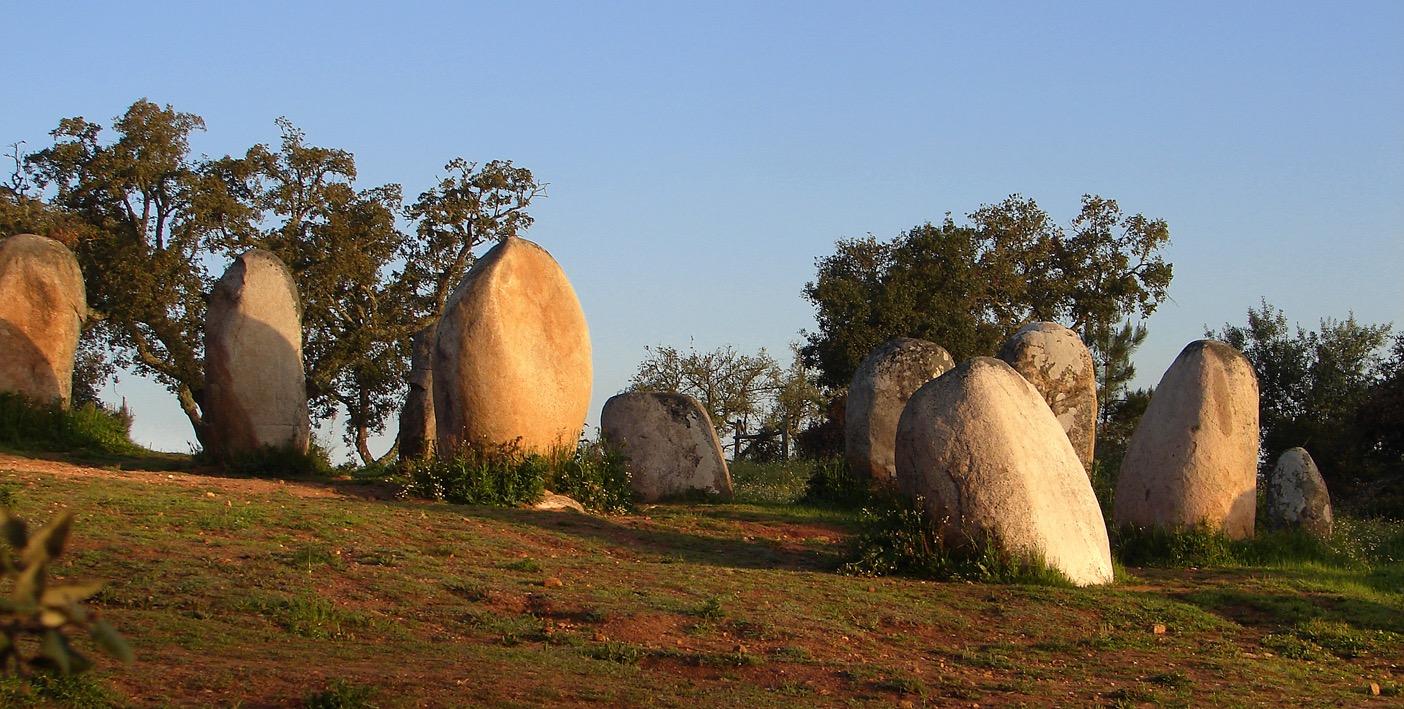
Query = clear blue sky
x=700 y=158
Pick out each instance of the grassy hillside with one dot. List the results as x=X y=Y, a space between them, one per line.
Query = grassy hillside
x=247 y=592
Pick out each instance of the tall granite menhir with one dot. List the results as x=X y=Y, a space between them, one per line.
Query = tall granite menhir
x=1193 y=460
x=512 y=358
x=255 y=389
x=42 y=308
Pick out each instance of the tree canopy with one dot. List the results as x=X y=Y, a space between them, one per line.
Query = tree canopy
x=146 y=219
x=967 y=286
x=1316 y=389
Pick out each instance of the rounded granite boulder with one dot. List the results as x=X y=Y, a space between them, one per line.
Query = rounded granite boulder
x=669 y=444
x=255 y=388
x=1297 y=495
x=1054 y=360
x=886 y=378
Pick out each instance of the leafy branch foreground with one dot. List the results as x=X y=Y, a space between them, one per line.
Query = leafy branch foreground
x=34 y=615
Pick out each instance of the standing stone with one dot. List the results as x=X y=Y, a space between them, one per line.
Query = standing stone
x=1059 y=366
x=880 y=388
x=1297 y=496
x=669 y=443
x=255 y=388
x=1193 y=460
x=512 y=359
x=42 y=308
x=991 y=464
x=417 y=417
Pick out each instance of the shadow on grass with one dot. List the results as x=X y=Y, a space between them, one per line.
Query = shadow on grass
x=646 y=537
x=1238 y=600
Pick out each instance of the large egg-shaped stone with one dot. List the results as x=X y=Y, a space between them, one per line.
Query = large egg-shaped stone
x=512 y=359
x=42 y=308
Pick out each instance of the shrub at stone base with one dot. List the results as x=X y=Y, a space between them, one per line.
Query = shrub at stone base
x=897 y=539
x=34 y=616
x=503 y=476
x=279 y=461
x=832 y=482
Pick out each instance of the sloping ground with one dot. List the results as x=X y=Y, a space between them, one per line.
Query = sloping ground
x=261 y=593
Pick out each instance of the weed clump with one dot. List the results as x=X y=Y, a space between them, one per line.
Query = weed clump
x=831 y=482
x=279 y=460
x=89 y=427
x=341 y=694
x=898 y=539
x=594 y=474
x=1356 y=543
x=500 y=477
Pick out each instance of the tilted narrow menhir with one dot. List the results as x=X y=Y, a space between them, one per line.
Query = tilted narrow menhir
x=255 y=389
x=1193 y=460
x=42 y=307
x=992 y=465
x=512 y=358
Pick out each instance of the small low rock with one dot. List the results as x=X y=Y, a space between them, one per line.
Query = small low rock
x=552 y=502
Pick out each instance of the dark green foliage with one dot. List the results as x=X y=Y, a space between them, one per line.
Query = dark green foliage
x=596 y=477
x=593 y=475
x=341 y=694
x=275 y=461
x=897 y=539
x=46 y=689
x=1355 y=543
x=34 y=616
x=832 y=483
x=1153 y=546
x=1327 y=390
x=504 y=477
x=89 y=427
x=968 y=286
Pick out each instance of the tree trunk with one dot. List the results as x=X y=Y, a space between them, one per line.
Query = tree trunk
x=192 y=412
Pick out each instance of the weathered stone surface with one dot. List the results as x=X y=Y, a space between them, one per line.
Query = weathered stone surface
x=992 y=465
x=42 y=308
x=1193 y=459
x=552 y=502
x=255 y=388
x=417 y=417
x=669 y=443
x=1297 y=496
x=880 y=388
x=1055 y=361
x=512 y=359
